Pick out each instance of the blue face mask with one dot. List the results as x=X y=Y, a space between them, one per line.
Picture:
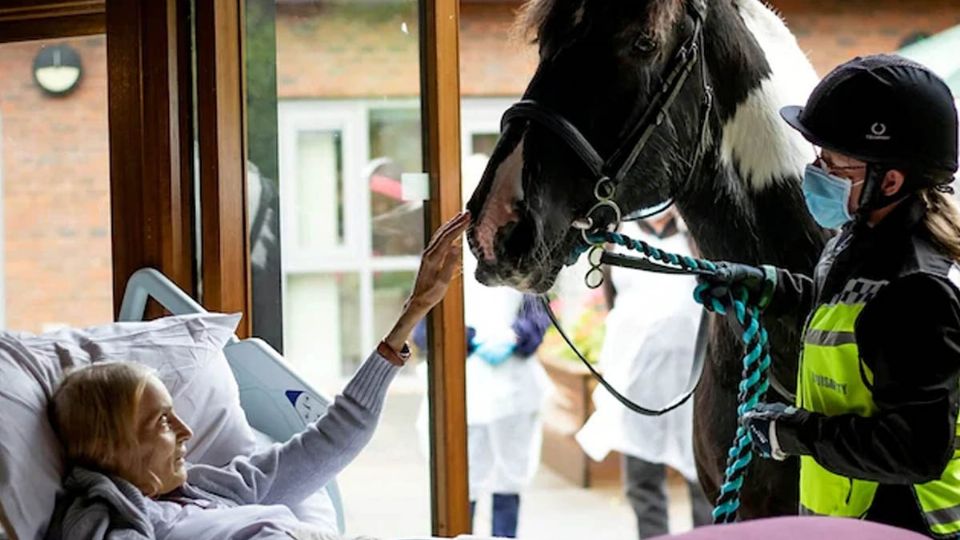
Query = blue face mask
x=827 y=197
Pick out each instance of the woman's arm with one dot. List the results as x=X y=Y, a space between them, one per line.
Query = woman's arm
x=793 y=295
x=289 y=472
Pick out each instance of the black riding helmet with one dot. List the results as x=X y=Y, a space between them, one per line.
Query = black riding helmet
x=889 y=112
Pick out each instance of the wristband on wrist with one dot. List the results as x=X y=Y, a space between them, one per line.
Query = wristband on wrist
x=397 y=358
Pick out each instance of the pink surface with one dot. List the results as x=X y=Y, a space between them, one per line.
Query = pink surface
x=386 y=186
x=797 y=528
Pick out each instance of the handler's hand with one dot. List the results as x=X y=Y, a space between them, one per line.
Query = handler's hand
x=766 y=420
x=439 y=262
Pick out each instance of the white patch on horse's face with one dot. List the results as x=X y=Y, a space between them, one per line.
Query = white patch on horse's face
x=756 y=139
x=498 y=209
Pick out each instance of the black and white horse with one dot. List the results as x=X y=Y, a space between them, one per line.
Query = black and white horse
x=601 y=61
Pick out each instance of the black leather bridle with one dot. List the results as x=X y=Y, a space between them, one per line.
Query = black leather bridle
x=610 y=172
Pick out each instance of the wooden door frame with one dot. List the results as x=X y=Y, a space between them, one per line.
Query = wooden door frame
x=25 y=20
x=440 y=89
x=149 y=91
x=221 y=134
x=151 y=167
x=152 y=157
x=149 y=105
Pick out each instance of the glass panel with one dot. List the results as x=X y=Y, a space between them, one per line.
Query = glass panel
x=318 y=197
x=263 y=191
x=395 y=148
x=322 y=330
x=390 y=290
x=55 y=261
x=484 y=143
x=396 y=133
x=334 y=94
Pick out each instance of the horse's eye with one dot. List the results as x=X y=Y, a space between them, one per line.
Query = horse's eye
x=645 y=44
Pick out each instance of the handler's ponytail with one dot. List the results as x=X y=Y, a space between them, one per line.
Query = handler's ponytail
x=943 y=220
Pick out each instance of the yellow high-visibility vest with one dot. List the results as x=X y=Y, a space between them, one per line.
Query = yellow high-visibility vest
x=832 y=380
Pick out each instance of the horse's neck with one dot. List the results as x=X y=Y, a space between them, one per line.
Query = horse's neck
x=769 y=226
x=747 y=205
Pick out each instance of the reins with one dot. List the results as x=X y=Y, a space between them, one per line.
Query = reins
x=598 y=225
x=756 y=359
x=611 y=172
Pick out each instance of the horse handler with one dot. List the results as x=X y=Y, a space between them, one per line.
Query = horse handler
x=875 y=420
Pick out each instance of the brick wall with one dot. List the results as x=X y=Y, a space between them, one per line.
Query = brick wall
x=833 y=31
x=53 y=152
x=371 y=50
x=345 y=51
x=54 y=166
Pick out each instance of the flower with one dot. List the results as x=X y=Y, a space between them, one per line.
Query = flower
x=586 y=331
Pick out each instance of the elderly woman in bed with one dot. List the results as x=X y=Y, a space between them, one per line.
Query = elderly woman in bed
x=126 y=443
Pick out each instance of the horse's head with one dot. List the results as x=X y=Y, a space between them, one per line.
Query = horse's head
x=605 y=67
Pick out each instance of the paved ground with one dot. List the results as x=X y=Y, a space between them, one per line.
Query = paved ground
x=387 y=492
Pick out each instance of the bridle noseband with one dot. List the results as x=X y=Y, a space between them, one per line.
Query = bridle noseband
x=610 y=173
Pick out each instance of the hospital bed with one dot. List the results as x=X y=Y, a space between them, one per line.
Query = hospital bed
x=276 y=401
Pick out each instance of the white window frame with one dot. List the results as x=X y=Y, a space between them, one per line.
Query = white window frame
x=325 y=117
x=352 y=119
x=480 y=116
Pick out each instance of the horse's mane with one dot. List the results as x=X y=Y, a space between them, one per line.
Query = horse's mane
x=533 y=16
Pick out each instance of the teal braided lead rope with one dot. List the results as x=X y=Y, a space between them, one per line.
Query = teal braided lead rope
x=752 y=389
x=683 y=261
x=756 y=361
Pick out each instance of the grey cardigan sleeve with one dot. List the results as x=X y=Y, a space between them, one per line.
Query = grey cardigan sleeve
x=289 y=472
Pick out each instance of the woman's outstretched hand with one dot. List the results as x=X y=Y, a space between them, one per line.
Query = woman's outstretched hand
x=438 y=264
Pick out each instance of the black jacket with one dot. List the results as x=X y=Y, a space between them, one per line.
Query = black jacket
x=908 y=334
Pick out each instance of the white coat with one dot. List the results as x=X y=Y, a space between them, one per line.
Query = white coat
x=503 y=401
x=519 y=384
x=647 y=354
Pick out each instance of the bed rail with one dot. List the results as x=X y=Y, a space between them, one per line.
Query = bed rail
x=276 y=400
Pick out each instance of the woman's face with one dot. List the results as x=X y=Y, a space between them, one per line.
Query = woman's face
x=161 y=435
x=851 y=169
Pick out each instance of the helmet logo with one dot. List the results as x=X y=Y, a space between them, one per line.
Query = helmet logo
x=878 y=132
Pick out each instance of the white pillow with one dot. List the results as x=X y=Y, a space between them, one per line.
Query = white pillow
x=185 y=350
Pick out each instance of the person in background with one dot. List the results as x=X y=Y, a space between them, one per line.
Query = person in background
x=647 y=352
x=506 y=386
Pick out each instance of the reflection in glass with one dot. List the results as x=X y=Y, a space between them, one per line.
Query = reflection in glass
x=325 y=307
x=319 y=190
x=347 y=102
x=396 y=225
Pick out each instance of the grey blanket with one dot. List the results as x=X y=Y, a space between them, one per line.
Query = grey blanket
x=96 y=506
